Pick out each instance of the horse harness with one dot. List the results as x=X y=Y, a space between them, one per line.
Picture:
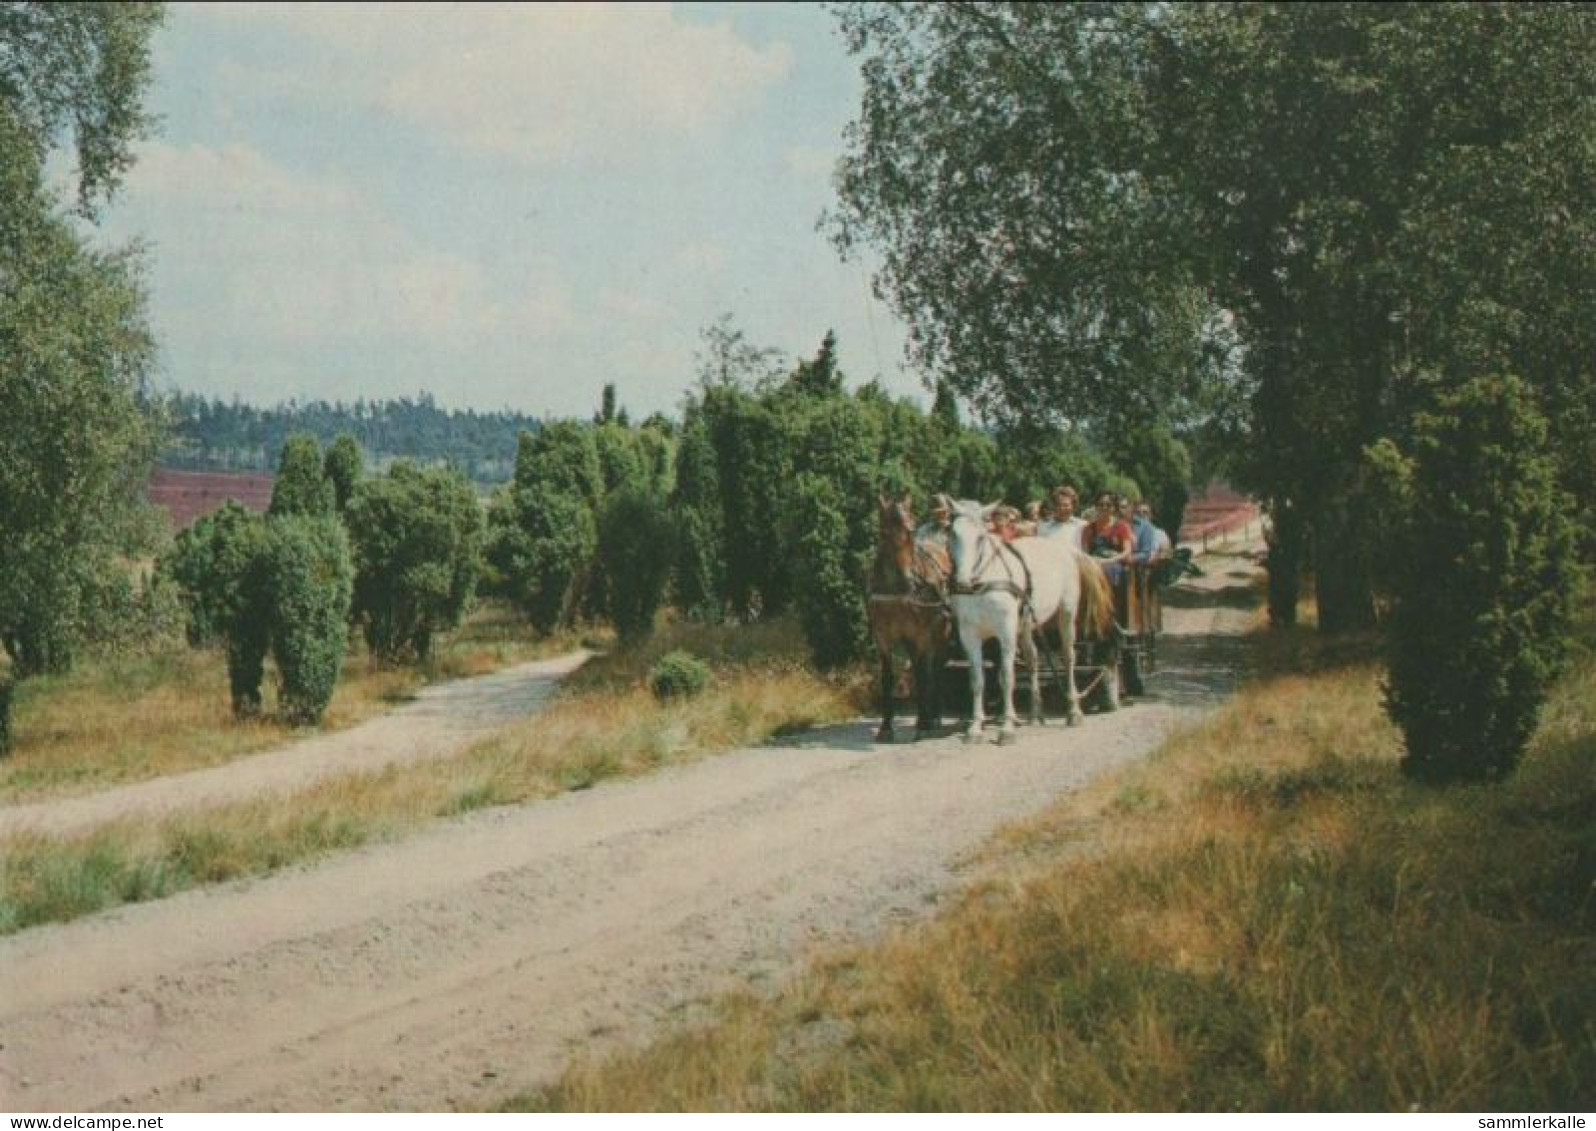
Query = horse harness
x=924 y=592
x=1008 y=584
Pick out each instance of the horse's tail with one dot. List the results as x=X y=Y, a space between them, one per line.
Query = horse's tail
x=1097 y=598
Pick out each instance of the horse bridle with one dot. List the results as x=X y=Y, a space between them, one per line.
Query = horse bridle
x=1007 y=585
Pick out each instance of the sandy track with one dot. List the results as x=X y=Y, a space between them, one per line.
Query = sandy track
x=457 y=966
x=443 y=719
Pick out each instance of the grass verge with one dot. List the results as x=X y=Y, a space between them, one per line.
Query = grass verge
x=1265 y=916
x=607 y=727
x=116 y=720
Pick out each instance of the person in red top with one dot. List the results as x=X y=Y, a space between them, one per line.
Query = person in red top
x=1108 y=538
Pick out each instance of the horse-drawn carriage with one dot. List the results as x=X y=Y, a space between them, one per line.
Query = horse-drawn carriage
x=1016 y=598
x=1106 y=670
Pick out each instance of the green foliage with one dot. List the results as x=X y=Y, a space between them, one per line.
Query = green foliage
x=306 y=569
x=678 y=675
x=342 y=466
x=753 y=468
x=1032 y=461
x=1159 y=465
x=212 y=434
x=416 y=537
x=7 y=692
x=820 y=376
x=636 y=546
x=76 y=443
x=280 y=585
x=79 y=69
x=543 y=529
x=1274 y=223
x=561 y=458
x=208 y=563
x=830 y=573
x=699 y=578
x=302 y=486
x=1483 y=579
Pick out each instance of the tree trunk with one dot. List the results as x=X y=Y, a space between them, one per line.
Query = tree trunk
x=1285 y=564
x=1343 y=583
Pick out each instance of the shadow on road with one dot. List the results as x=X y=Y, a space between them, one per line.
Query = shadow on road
x=1237 y=596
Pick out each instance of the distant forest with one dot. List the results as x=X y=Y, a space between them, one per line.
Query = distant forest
x=215 y=435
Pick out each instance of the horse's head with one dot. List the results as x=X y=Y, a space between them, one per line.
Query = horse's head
x=968 y=531
x=895 y=534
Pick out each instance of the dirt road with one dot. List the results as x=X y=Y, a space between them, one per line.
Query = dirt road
x=468 y=962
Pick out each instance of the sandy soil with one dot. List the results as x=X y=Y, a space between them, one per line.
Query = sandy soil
x=470 y=961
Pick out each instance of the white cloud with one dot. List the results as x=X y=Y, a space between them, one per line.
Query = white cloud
x=296 y=259
x=545 y=83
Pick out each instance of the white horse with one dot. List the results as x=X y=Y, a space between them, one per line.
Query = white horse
x=1010 y=591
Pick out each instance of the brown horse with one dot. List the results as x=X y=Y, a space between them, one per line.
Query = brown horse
x=908 y=607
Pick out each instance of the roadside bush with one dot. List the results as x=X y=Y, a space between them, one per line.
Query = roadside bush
x=1482 y=583
x=543 y=530
x=308 y=579
x=543 y=549
x=700 y=573
x=6 y=689
x=416 y=536
x=636 y=544
x=830 y=574
x=678 y=675
x=216 y=565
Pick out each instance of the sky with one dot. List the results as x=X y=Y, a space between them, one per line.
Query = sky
x=506 y=206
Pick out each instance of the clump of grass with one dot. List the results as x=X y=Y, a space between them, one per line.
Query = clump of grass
x=580 y=741
x=1271 y=919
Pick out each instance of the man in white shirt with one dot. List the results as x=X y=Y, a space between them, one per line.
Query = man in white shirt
x=1064 y=522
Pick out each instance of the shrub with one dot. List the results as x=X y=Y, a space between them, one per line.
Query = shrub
x=678 y=675
x=308 y=578
x=830 y=574
x=416 y=536
x=700 y=572
x=216 y=565
x=636 y=546
x=301 y=485
x=543 y=548
x=1482 y=585
x=543 y=531
x=341 y=467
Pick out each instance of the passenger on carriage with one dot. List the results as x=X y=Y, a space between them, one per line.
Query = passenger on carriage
x=1005 y=523
x=1108 y=538
x=935 y=528
x=1063 y=522
x=1163 y=547
x=1144 y=536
